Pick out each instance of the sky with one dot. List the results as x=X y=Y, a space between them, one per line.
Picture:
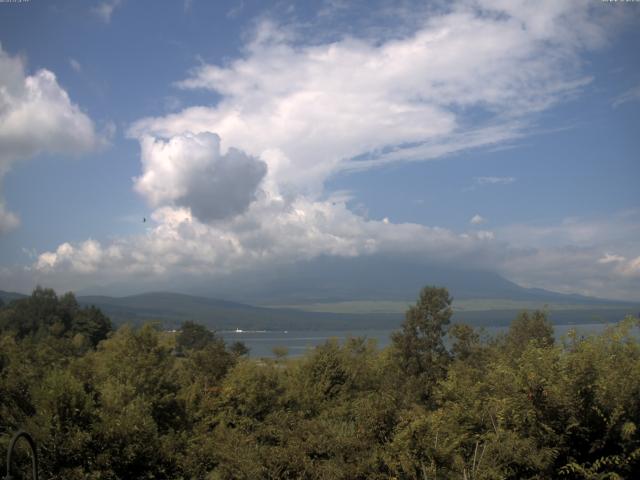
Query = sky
x=185 y=141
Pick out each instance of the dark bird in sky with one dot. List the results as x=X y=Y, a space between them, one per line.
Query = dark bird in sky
x=144 y=219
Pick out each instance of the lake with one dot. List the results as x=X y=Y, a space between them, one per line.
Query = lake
x=261 y=343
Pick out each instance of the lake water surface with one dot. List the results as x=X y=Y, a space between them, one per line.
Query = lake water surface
x=262 y=343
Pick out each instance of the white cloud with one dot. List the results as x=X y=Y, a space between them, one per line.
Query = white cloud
x=494 y=180
x=477 y=220
x=571 y=269
x=36 y=116
x=631 y=95
x=485 y=235
x=83 y=258
x=610 y=258
x=75 y=65
x=575 y=255
x=632 y=267
x=190 y=171
x=105 y=9
x=309 y=111
x=619 y=229
x=8 y=220
x=626 y=267
x=273 y=231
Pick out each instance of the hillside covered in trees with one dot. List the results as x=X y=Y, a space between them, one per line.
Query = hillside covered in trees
x=142 y=403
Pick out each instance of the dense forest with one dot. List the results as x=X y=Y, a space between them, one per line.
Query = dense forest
x=142 y=403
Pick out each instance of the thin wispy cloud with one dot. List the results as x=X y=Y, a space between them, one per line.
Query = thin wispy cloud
x=75 y=65
x=236 y=10
x=631 y=95
x=481 y=181
x=383 y=102
x=477 y=219
x=105 y=10
x=8 y=220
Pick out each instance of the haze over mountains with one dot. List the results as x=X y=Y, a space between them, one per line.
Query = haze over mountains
x=331 y=279
x=348 y=294
x=337 y=279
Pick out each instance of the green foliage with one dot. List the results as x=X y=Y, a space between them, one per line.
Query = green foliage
x=530 y=327
x=238 y=349
x=419 y=346
x=465 y=341
x=280 y=351
x=65 y=414
x=44 y=314
x=141 y=403
x=194 y=336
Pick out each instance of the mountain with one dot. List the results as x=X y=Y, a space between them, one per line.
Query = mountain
x=333 y=279
x=345 y=293
x=171 y=309
x=7 y=297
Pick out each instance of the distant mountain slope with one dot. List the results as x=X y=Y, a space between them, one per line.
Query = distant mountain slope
x=173 y=308
x=334 y=293
x=6 y=297
x=332 y=279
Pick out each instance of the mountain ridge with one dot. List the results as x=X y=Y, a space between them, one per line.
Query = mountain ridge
x=171 y=309
x=331 y=279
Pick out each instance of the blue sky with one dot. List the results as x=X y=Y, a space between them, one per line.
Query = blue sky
x=484 y=134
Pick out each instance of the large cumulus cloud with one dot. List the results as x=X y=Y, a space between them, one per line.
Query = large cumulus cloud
x=36 y=116
x=472 y=75
x=190 y=171
x=271 y=232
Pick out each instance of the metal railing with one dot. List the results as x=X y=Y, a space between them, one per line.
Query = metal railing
x=34 y=454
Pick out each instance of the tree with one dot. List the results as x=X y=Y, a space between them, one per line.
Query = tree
x=280 y=351
x=92 y=324
x=419 y=347
x=34 y=315
x=65 y=415
x=194 y=336
x=139 y=412
x=534 y=327
x=466 y=341
x=239 y=349
x=44 y=314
